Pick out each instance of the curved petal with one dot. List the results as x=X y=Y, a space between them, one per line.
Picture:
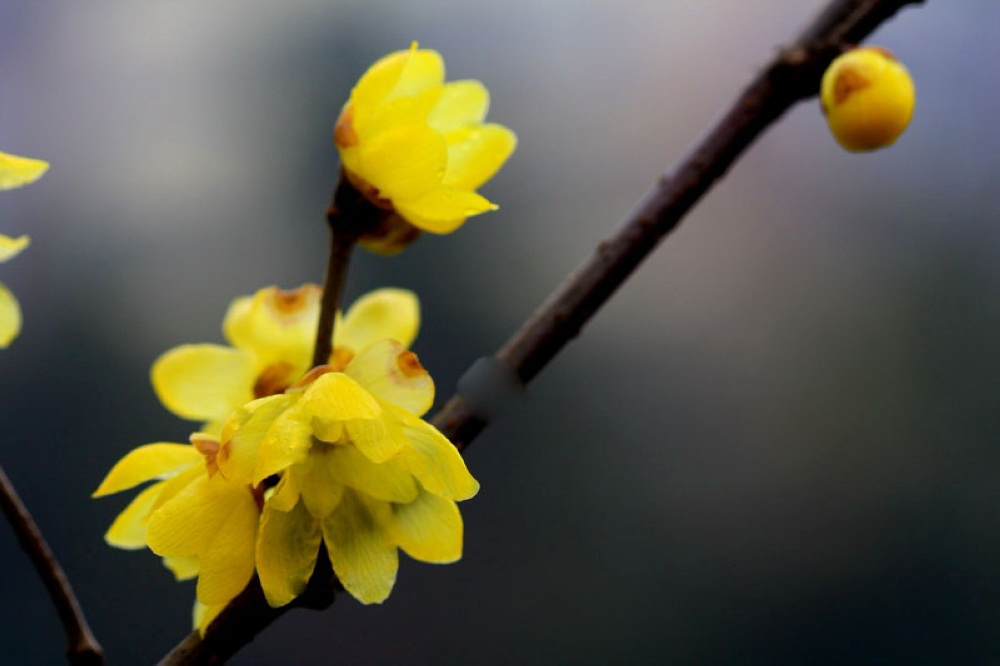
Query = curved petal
x=287 y=546
x=243 y=434
x=378 y=439
x=287 y=442
x=17 y=171
x=145 y=463
x=383 y=313
x=128 y=531
x=428 y=529
x=10 y=317
x=461 y=103
x=404 y=162
x=478 y=155
x=276 y=326
x=363 y=556
x=384 y=481
x=336 y=397
x=203 y=382
x=397 y=74
x=228 y=563
x=394 y=375
x=320 y=493
x=435 y=461
x=203 y=615
x=11 y=247
x=183 y=568
x=443 y=209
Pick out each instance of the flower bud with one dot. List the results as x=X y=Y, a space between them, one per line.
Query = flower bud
x=867 y=97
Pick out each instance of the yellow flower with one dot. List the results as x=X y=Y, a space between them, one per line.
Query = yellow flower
x=417 y=145
x=201 y=523
x=359 y=471
x=272 y=335
x=14 y=172
x=868 y=99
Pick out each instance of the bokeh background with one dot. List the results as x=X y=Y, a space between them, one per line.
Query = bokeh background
x=778 y=444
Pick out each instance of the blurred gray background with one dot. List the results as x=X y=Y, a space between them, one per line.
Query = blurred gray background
x=777 y=445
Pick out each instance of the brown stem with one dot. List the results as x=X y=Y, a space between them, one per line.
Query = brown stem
x=82 y=648
x=793 y=75
x=349 y=216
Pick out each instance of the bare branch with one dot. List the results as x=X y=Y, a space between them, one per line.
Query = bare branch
x=82 y=649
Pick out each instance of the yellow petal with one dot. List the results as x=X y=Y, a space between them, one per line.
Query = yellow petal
x=435 y=461
x=203 y=382
x=401 y=111
x=243 y=434
x=336 y=397
x=10 y=317
x=17 y=171
x=377 y=439
x=363 y=556
x=385 y=481
x=405 y=162
x=287 y=546
x=128 y=531
x=11 y=247
x=228 y=562
x=443 y=209
x=276 y=325
x=190 y=522
x=203 y=615
x=183 y=568
x=394 y=375
x=320 y=493
x=175 y=484
x=383 y=313
x=287 y=442
x=429 y=529
x=151 y=461
x=397 y=74
x=286 y=494
x=478 y=156
x=461 y=103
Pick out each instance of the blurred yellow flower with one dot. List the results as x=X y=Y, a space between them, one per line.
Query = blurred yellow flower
x=418 y=146
x=359 y=471
x=14 y=172
x=272 y=335
x=868 y=99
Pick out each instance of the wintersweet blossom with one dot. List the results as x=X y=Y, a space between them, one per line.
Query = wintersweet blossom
x=418 y=146
x=356 y=469
x=14 y=172
x=219 y=518
x=271 y=336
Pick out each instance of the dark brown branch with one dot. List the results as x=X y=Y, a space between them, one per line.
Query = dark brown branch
x=793 y=75
x=82 y=648
x=348 y=217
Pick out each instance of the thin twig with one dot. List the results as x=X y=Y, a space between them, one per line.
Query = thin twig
x=350 y=214
x=82 y=649
x=793 y=75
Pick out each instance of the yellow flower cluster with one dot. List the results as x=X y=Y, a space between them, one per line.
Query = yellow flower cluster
x=868 y=99
x=290 y=459
x=14 y=172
